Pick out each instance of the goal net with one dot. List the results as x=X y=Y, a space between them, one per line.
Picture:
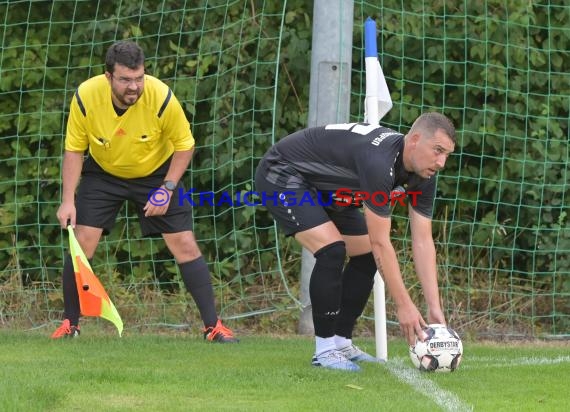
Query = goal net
x=241 y=70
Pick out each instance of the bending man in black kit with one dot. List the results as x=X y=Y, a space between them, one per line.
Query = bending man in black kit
x=366 y=160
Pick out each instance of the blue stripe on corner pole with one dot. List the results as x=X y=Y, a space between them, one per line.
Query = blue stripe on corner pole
x=370 y=49
x=371 y=113
x=378 y=101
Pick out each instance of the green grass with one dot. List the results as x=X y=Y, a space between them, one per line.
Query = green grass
x=163 y=372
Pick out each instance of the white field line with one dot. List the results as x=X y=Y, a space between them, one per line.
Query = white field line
x=414 y=378
x=491 y=362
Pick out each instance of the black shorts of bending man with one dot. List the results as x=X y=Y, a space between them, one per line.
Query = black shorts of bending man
x=314 y=183
x=139 y=141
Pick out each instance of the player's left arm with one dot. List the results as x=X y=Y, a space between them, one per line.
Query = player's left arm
x=423 y=249
x=179 y=164
x=176 y=128
x=409 y=317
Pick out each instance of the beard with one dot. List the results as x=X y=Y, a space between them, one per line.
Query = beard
x=127 y=98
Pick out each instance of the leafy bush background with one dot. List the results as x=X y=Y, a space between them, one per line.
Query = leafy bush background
x=499 y=69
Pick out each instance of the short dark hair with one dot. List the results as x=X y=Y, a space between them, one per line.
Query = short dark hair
x=432 y=121
x=126 y=53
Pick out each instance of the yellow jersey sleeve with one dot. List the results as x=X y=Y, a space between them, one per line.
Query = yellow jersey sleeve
x=175 y=126
x=76 y=138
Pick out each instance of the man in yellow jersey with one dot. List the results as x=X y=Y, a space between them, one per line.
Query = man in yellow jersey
x=139 y=141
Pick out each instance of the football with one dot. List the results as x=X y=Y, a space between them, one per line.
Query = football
x=440 y=352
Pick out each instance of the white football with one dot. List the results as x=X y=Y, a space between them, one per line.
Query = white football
x=440 y=352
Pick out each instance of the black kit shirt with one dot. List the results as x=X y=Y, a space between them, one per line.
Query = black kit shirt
x=353 y=156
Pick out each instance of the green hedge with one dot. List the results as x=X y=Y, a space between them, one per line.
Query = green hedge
x=498 y=68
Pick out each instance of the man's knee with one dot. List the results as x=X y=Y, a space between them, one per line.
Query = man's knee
x=329 y=263
x=364 y=264
x=183 y=246
x=88 y=238
x=332 y=255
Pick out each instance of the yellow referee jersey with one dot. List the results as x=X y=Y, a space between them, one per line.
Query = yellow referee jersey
x=136 y=143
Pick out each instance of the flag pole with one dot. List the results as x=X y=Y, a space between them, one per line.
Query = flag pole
x=377 y=103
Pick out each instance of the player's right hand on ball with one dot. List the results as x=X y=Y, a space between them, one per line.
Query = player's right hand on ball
x=411 y=324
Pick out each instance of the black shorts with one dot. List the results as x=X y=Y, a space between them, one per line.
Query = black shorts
x=101 y=195
x=297 y=210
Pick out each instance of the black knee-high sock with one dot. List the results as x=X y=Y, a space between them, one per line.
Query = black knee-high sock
x=325 y=287
x=358 y=279
x=196 y=277
x=70 y=296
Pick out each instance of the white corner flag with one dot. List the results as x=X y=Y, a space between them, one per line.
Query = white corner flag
x=377 y=103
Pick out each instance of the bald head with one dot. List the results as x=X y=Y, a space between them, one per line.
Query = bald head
x=429 y=123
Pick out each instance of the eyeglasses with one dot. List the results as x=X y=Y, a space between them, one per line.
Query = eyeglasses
x=126 y=81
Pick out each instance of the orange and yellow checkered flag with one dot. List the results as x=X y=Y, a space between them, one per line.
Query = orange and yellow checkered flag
x=93 y=299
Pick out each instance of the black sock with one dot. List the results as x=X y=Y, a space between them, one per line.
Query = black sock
x=358 y=279
x=325 y=287
x=70 y=296
x=196 y=277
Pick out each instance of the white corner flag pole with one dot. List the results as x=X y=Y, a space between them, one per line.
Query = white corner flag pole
x=377 y=103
